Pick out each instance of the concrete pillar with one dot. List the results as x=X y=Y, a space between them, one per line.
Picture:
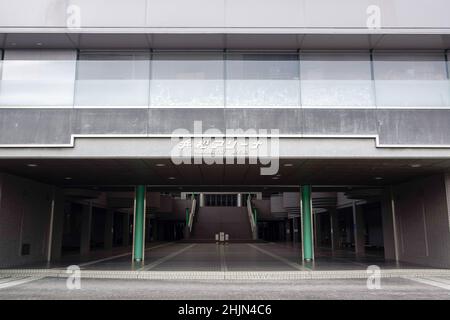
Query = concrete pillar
x=296 y=230
x=335 y=230
x=316 y=227
x=389 y=226
x=139 y=224
x=288 y=230
x=109 y=230
x=57 y=226
x=155 y=230
x=239 y=200
x=86 y=224
x=202 y=200
x=126 y=229
x=359 y=229
x=307 y=232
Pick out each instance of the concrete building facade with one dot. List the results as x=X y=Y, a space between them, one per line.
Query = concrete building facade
x=354 y=97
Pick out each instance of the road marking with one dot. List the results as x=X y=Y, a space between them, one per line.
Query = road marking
x=12 y=282
x=121 y=255
x=164 y=259
x=286 y=261
x=432 y=281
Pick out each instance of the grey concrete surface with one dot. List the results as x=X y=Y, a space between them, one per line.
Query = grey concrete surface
x=233 y=257
x=55 y=127
x=393 y=288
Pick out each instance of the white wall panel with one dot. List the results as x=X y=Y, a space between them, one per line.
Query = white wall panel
x=226 y=13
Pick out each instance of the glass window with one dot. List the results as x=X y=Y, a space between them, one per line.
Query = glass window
x=37 y=79
x=411 y=79
x=262 y=79
x=187 y=79
x=113 y=79
x=336 y=79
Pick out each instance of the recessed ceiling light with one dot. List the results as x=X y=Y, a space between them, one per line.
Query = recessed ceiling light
x=415 y=165
x=275 y=178
x=32 y=165
x=13 y=43
x=288 y=165
x=68 y=178
x=171 y=178
x=39 y=44
x=160 y=164
x=378 y=178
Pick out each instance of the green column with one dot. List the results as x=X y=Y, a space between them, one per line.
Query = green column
x=307 y=223
x=187 y=217
x=139 y=222
x=255 y=216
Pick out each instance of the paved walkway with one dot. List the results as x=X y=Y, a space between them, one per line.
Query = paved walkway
x=235 y=261
x=390 y=288
x=233 y=271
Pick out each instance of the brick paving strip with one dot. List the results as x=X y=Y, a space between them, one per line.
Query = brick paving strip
x=226 y=275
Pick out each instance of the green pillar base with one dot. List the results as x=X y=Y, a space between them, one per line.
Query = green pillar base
x=139 y=223
x=307 y=240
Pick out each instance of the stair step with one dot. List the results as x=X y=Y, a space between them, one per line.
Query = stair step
x=210 y=221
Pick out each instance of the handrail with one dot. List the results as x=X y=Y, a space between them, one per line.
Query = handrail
x=191 y=214
x=251 y=218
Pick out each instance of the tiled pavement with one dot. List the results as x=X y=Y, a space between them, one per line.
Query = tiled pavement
x=231 y=261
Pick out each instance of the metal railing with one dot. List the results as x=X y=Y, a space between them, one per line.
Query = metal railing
x=192 y=214
x=251 y=218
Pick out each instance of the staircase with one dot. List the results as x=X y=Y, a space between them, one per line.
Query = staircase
x=210 y=221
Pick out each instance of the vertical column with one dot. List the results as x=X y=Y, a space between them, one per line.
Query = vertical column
x=389 y=225
x=239 y=200
x=295 y=230
x=335 y=231
x=109 y=224
x=308 y=252
x=201 y=200
x=86 y=224
x=359 y=229
x=317 y=230
x=57 y=225
x=288 y=229
x=155 y=230
x=126 y=229
x=139 y=224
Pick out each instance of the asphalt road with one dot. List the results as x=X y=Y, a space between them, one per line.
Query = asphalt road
x=391 y=288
